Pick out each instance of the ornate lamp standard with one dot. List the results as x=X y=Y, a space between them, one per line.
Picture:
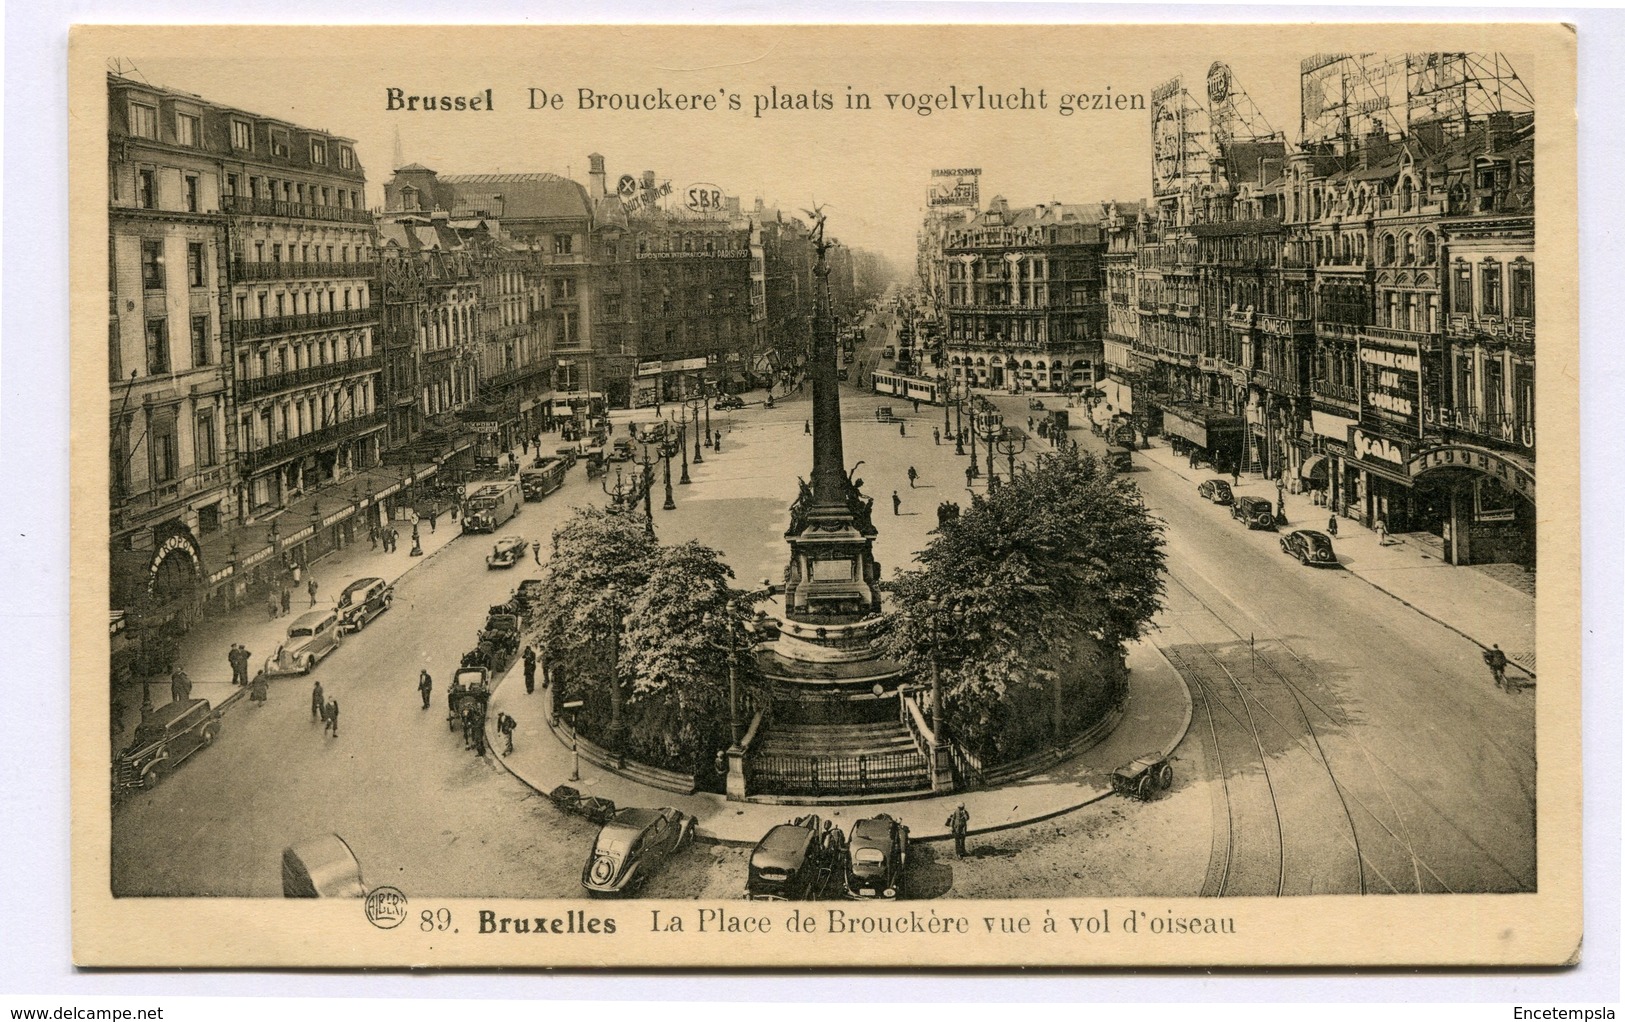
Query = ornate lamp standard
x=623 y=493
x=651 y=444
x=1011 y=443
x=988 y=425
x=696 y=403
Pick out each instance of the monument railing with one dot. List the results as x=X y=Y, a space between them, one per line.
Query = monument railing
x=786 y=773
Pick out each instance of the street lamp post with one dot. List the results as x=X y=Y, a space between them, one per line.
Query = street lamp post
x=961 y=389
x=696 y=404
x=1012 y=443
x=697 y=459
x=682 y=445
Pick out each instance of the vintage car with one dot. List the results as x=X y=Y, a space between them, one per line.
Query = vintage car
x=1310 y=548
x=1120 y=461
x=507 y=552
x=566 y=455
x=728 y=402
x=888 y=352
x=631 y=846
x=620 y=450
x=1215 y=490
x=1257 y=512
x=321 y=867
x=363 y=600
x=1143 y=778
x=877 y=858
x=165 y=738
x=311 y=637
x=792 y=862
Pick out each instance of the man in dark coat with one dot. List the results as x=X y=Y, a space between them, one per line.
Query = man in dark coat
x=505 y=726
x=180 y=686
x=959 y=824
x=530 y=670
x=333 y=716
x=318 y=708
x=425 y=686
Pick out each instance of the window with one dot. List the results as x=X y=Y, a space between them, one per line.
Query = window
x=146 y=189
x=1462 y=290
x=562 y=244
x=279 y=144
x=157 y=346
x=1388 y=250
x=152 y=265
x=194 y=264
x=207 y=452
x=242 y=135
x=200 y=341
x=1491 y=289
x=1430 y=249
x=318 y=150
x=186 y=130
x=143 y=120
x=232 y=183
x=115 y=352
x=346 y=157
x=163 y=449
x=191 y=193
x=1523 y=290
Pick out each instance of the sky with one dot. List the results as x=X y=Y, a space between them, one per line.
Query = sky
x=869 y=168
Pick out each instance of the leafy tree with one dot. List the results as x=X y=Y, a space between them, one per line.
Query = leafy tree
x=1026 y=601
x=675 y=654
x=603 y=558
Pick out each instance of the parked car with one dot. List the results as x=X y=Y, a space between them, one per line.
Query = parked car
x=311 y=637
x=1309 y=547
x=877 y=858
x=1257 y=512
x=631 y=846
x=321 y=867
x=1120 y=461
x=566 y=455
x=1216 y=490
x=888 y=352
x=363 y=600
x=792 y=862
x=621 y=450
x=164 y=739
x=508 y=551
x=728 y=402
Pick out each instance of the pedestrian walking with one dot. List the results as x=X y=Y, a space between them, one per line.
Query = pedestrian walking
x=936 y=436
x=896 y=504
x=372 y=535
x=530 y=669
x=916 y=406
x=912 y=476
x=425 y=686
x=1235 y=473
x=1331 y=526
x=1382 y=532
x=902 y=429
x=317 y=705
x=394 y=539
x=287 y=600
x=536 y=552
x=958 y=823
x=311 y=588
x=238 y=658
x=716 y=440
x=505 y=726
x=258 y=689
x=180 y=686
x=970 y=476
x=806 y=427
x=1497 y=662
x=333 y=716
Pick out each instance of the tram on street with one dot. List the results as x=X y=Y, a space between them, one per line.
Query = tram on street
x=909 y=388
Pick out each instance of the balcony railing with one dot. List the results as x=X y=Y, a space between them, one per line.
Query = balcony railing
x=1387 y=333
x=512 y=376
x=257 y=385
x=244 y=205
x=512 y=330
x=315 y=441
x=162 y=495
x=267 y=325
x=1338 y=331
x=274 y=270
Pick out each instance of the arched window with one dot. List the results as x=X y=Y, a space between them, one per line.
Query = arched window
x=1430 y=248
x=1407 y=194
x=1410 y=247
x=1388 y=250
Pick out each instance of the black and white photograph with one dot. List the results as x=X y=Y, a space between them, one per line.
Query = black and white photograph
x=1056 y=495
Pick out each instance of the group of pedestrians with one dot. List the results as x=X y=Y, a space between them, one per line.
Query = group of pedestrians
x=326 y=709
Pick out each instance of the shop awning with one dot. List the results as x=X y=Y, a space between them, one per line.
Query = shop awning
x=1197 y=424
x=1314 y=467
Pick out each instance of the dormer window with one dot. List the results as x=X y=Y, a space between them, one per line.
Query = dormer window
x=318 y=150
x=187 y=132
x=143 y=120
x=346 y=158
x=279 y=143
x=242 y=135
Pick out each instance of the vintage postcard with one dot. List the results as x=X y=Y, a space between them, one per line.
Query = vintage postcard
x=825 y=495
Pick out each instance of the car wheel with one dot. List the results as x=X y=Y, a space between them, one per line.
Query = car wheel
x=206 y=739
x=310 y=665
x=1165 y=775
x=154 y=774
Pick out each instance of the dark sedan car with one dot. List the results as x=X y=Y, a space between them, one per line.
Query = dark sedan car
x=877 y=858
x=1310 y=548
x=1216 y=490
x=631 y=846
x=727 y=402
x=792 y=862
x=1257 y=512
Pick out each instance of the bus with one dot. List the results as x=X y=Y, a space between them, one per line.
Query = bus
x=909 y=388
x=492 y=504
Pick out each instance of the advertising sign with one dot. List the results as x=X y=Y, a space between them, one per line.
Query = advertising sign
x=1391 y=384
x=703 y=198
x=956 y=187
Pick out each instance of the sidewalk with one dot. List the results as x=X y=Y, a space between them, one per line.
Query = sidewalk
x=202 y=651
x=1468 y=602
x=1154 y=722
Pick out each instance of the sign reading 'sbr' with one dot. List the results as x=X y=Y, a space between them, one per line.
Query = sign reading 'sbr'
x=703 y=198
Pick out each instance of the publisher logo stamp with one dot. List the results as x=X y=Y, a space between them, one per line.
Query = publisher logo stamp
x=386 y=908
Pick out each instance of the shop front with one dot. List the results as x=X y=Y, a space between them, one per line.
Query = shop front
x=1485 y=502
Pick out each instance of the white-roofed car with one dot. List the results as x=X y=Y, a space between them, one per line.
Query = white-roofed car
x=363 y=600
x=508 y=551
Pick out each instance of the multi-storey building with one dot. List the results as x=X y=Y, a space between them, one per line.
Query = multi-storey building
x=241 y=276
x=1025 y=305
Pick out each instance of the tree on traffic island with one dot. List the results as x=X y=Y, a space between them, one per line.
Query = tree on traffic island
x=1026 y=601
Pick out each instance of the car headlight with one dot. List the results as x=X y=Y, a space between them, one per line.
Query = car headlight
x=891 y=892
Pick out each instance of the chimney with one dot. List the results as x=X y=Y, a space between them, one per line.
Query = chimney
x=1498 y=130
x=595 y=176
